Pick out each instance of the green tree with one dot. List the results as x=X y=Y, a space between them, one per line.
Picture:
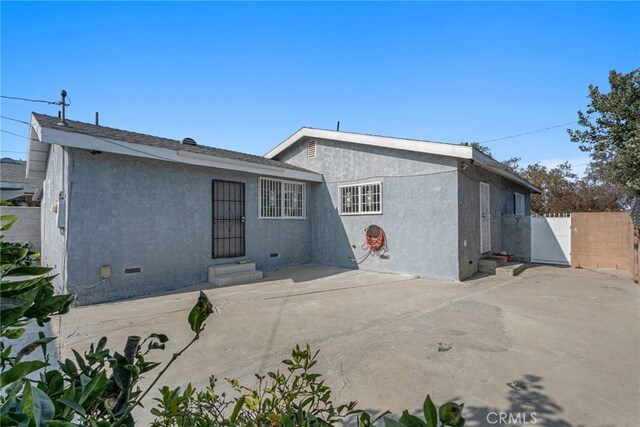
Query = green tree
x=612 y=129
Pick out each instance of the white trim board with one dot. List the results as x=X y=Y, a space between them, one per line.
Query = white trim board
x=438 y=148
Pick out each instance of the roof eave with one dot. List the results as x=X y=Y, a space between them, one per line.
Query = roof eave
x=37 y=153
x=46 y=136
x=451 y=150
x=443 y=149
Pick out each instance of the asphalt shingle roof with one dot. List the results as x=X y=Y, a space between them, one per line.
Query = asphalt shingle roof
x=155 y=141
x=15 y=171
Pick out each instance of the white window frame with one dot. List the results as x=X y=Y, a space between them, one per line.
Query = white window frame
x=515 y=203
x=281 y=182
x=360 y=211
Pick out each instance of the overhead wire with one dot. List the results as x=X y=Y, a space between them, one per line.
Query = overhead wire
x=18 y=98
x=102 y=139
x=526 y=133
x=14 y=120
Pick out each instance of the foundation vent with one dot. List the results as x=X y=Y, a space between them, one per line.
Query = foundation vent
x=131 y=270
x=311 y=150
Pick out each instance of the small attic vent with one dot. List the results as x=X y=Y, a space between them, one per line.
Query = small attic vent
x=311 y=150
x=189 y=141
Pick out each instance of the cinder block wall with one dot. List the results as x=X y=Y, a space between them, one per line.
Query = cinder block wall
x=601 y=240
x=27 y=228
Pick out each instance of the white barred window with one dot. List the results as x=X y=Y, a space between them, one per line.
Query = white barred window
x=281 y=199
x=361 y=199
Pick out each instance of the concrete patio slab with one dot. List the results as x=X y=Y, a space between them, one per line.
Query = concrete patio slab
x=558 y=342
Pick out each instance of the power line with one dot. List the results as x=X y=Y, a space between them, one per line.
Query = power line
x=14 y=120
x=526 y=133
x=103 y=139
x=10 y=151
x=14 y=134
x=35 y=100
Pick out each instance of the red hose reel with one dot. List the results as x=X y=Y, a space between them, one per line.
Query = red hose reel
x=376 y=241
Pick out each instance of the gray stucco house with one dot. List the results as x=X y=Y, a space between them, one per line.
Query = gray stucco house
x=127 y=214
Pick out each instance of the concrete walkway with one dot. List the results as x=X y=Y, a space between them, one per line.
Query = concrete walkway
x=558 y=342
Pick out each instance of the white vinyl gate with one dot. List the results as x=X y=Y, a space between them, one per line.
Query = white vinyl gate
x=551 y=240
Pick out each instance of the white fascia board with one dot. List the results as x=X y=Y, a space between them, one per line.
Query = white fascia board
x=437 y=148
x=88 y=142
x=37 y=153
x=501 y=169
x=451 y=150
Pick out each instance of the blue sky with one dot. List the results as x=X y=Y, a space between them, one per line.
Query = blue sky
x=245 y=76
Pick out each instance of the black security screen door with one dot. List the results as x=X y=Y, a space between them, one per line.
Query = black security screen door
x=228 y=219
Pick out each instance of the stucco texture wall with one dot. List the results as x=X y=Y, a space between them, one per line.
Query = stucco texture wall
x=418 y=214
x=132 y=212
x=501 y=196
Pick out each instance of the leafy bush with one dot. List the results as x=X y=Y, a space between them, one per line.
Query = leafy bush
x=99 y=388
x=293 y=397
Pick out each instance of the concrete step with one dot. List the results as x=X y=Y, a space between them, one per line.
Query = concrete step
x=236 y=278
x=510 y=269
x=489 y=263
x=236 y=267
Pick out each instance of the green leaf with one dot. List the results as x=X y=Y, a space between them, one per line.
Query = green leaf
x=58 y=423
x=390 y=422
x=236 y=409
x=28 y=271
x=29 y=348
x=10 y=255
x=9 y=287
x=6 y=421
x=451 y=414
x=75 y=406
x=13 y=308
x=161 y=337
x=364 y=420
x=8 y=220
x=37 y=405
x=411 y=420
x=97 y=384
x=20 y=370
x=13 y=334
x=49 y=305
x=199 y=313
x=430 y=412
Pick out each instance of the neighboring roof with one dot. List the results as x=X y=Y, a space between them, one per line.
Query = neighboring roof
x=635 y=212
x=108 y=139
x=437 y=148
x=13 y=176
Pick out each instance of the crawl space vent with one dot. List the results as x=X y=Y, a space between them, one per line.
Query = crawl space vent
x=311 y=149
x=131 y=270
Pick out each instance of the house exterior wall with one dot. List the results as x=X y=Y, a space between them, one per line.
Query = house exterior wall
x=501 y=195
x=131 y=212
x=53 y=238
x=419 y=194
